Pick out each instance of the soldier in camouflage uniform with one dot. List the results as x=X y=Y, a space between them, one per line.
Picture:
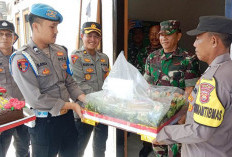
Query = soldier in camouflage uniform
x=171 y=65
x=90 y=68
x=136 y=47
x=154 y=45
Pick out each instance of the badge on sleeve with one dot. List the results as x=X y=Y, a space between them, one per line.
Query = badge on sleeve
x=23 y=65
x=74 y=58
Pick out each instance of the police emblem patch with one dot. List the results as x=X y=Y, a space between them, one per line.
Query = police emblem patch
x=74 y=58
x=87 y=76
x=59 y=53
x=89 y=70
x=23 y=65
x=46 y=71
x=87 y=60
x=206 y=89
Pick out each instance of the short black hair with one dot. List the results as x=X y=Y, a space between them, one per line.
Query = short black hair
x=133 y=30
x=33 y=18
x=226 y=38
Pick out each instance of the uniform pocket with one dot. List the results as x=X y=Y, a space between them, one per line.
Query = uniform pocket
x=44 y=77
x=89 y=73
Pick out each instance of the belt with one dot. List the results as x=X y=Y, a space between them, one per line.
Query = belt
x=44 y=114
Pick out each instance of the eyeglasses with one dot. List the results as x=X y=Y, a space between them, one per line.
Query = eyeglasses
x=94 y=36
x=8 y=35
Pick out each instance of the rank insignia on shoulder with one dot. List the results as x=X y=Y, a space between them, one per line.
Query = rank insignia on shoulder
x=74 y=58
x=46 y=71
x=206 y=89
x=87 y=76
x=87 y=60
x=64 y=66
x=59 y=53
x=23 y=65
x=89 y=70
x=103 y=60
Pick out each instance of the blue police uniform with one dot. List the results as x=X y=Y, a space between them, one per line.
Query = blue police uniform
x=44 y=78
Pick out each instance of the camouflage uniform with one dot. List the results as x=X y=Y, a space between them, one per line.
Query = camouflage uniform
x=133 y=53
x=142 y=56
x=180 y=69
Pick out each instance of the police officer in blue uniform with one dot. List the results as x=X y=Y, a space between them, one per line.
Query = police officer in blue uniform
x=41 y=70
x=21 y=136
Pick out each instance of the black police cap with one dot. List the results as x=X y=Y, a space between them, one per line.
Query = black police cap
x=88 y=27
x=218 y=24
x=6 y=25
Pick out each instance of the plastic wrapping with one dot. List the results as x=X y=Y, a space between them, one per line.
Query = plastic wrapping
x=126 y=95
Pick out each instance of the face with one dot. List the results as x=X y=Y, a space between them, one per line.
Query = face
x=154 y=35
x=91 y=40
x=138 y=36
x=169 y=42
x=47 y=31
x=7 y=39
x=202 y=47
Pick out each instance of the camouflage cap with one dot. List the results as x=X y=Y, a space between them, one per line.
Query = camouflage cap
x=169 y=27
x=88 y=27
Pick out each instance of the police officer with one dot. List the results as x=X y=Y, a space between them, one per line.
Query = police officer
x=171 y=65
x=21 y=136
x=90 y=68
x=207 y=131
x=41 y=70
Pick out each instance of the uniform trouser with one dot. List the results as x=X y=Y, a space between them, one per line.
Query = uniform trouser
x=100 y=136
x=54 y=135
x=21 y=141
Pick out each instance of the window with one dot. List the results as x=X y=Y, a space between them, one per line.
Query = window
x=17 y=24
x=27 y=28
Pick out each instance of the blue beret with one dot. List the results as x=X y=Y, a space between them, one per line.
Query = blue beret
x=46 y=12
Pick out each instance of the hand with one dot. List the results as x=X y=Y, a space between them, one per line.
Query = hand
x=77 y=108
x=131 y=24
x=182 y=119
x=157 y=143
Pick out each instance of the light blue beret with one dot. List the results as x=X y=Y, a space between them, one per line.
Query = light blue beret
x=46 y=12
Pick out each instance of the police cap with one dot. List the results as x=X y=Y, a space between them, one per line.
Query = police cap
x=88 y=27
x=6 y=25
x=46 y=12
x=218 y=24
